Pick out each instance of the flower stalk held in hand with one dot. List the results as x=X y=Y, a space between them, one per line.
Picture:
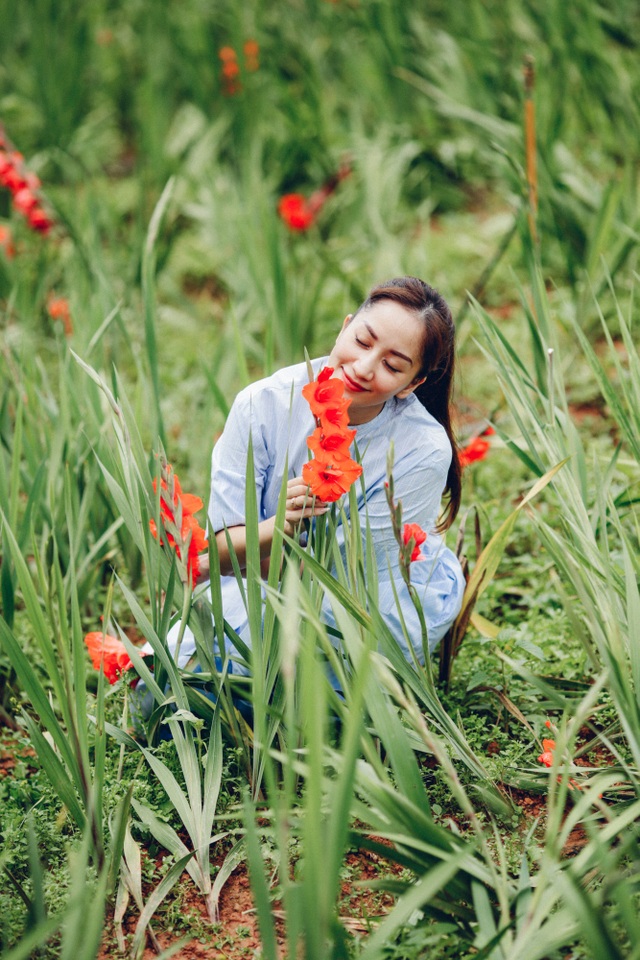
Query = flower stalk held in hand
x=331 y=471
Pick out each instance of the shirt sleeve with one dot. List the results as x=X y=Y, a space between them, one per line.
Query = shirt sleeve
x=229 y=464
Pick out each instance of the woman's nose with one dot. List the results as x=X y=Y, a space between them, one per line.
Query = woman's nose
x=363 y=367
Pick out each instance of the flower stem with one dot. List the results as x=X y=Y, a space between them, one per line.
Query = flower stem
x=186 y=606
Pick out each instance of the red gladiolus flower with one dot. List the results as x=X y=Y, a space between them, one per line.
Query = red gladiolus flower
x=414 y=532
x=323 y=445
x=326 y=391
x=295 y=212
x=39 y=221
x=476 y=449
x=190 y=535
x=325 y=396
x=190 y=503
x=546 y=757
x=328 y=481
x=11 y=175
x=108 y=653
x=25 y=201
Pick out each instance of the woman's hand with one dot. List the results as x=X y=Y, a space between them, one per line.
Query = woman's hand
x=301 y=505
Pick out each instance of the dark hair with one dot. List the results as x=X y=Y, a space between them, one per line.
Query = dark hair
x=438 y=360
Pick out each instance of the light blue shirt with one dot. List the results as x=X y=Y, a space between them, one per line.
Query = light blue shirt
x=279 y=420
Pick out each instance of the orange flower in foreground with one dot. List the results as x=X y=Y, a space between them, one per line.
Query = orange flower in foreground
x=108 y=653
x=328 y=481
x=476 y=449
x=413 y=532
x=295 y=212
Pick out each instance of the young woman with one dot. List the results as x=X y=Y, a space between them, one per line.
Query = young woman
x=395 y=355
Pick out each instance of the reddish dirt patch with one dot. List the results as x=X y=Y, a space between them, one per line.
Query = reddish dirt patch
x=534 y=806
x=235 y=935
x=13 y=751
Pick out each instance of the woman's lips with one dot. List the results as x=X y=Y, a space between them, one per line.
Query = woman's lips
x=352 y=385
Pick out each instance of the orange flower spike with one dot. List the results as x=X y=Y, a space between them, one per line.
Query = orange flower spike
x=413 y=531
x=227 y=54
x=190 y=503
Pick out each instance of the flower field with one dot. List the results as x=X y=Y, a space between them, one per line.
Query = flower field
x=192 y=196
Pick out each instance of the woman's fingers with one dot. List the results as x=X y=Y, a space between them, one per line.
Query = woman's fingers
x=299 y=496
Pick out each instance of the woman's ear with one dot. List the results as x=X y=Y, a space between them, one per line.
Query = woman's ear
x=410 y=388
x=345 y=324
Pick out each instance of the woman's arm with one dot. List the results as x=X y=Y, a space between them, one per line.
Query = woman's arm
x=300 y=506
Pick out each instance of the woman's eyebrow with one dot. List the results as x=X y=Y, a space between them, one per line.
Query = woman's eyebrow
x=396 y=353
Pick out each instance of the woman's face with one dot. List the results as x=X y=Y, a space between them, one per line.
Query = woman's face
x=378 y=355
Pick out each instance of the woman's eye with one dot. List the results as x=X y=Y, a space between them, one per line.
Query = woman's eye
x=361 y=342
x=393 y=369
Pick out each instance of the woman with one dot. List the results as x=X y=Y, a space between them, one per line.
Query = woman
x=395 y=356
